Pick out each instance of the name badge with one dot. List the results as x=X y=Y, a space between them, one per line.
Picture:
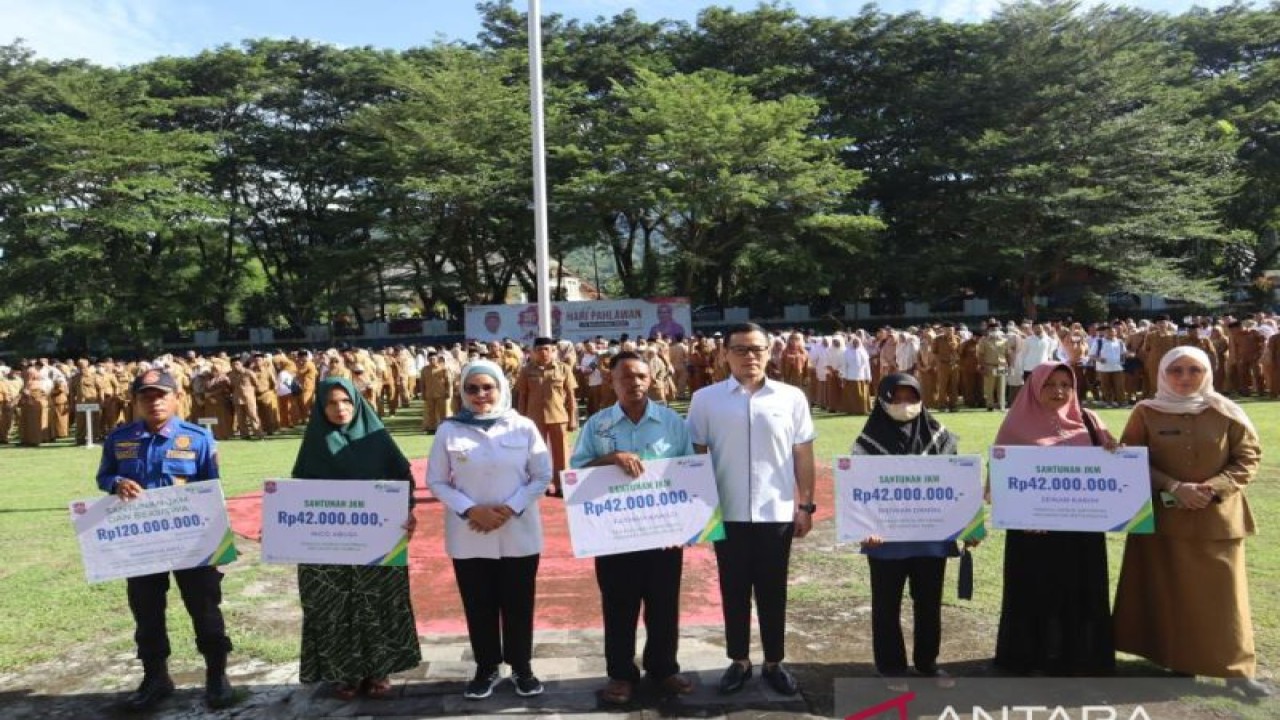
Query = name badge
x=180 y=455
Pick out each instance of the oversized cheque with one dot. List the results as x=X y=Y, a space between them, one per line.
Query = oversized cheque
x=335 y=522
x=909 y=497
x=164 y=529
x=674 y=502
x=1071 y=488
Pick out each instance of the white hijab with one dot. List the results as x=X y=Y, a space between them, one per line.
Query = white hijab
x=491 y=369
x=1204 y=398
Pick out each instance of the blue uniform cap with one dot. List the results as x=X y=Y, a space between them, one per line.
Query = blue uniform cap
x=155 y=380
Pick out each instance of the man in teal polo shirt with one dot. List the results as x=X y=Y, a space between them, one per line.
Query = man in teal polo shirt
x=626 y=434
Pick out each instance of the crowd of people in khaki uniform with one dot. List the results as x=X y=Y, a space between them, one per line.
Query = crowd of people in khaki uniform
x=252 y=395
x=256 y=395
x=1114 y=363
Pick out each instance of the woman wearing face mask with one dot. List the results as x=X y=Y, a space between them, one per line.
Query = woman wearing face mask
x=1055 y=616
x=1183 y=597
x=489 y=466
x=899 y=425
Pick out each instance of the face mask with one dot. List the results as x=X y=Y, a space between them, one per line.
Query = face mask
x=904 y=412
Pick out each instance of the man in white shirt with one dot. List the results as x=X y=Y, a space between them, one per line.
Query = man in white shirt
x=1037 y=348
x=1109 y=363
x=760 y=435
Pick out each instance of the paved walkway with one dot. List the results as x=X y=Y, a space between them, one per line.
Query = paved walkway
x=570 y=662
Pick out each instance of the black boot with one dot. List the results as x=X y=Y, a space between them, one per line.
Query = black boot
x=218 y=692
x=156 y=686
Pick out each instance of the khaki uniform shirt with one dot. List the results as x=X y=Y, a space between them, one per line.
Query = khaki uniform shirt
x=307 y=377
x=244 y=387
x=945 y=350
x=437 y=382
x=1156 y=344
x=545 y=393
x=993 y=353
x=1204 y=447
x=86 y=387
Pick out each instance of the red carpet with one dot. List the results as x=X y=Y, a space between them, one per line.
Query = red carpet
x=567 y=594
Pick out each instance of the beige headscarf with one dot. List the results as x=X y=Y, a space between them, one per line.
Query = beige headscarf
x=1204 y=398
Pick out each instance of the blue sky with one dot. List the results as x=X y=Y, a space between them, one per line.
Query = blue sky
x=122 y=32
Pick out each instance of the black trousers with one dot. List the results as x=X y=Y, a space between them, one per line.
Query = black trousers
x=497 y=597
x=651 y=577
x=753 y=560
x=925 y=575
x=201 y=590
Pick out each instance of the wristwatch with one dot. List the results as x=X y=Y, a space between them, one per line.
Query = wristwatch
x=810 y=508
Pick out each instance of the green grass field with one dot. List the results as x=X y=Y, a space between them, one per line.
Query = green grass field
x=46 y=607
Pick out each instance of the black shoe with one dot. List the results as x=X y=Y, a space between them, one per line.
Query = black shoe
x=734 y=677
x=218 y=693
x=527 y=684
x=154 y=688
x=1251 y=687
x=780 y=679
x=482 y=685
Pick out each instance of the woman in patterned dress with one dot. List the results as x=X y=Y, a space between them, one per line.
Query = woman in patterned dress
x=357 y=621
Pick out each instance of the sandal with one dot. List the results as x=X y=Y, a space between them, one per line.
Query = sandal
x=377 y=688
x=345 y=691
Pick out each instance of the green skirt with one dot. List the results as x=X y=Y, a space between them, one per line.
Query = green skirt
x=357 y=623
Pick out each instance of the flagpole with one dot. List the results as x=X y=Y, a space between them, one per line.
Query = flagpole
x=541 y=252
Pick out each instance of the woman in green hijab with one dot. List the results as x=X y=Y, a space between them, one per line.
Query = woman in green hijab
x=357 y=621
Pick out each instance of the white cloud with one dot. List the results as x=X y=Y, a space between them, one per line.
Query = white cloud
x=107 y=32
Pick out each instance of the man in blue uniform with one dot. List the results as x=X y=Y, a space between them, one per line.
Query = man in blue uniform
x=160 y=450
x=625 y=434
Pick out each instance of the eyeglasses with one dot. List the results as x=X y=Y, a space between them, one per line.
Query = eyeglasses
x=1185 y=370
x=748 y=350
x=477 y=389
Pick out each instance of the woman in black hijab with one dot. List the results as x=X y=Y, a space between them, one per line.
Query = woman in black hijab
x=900 y=425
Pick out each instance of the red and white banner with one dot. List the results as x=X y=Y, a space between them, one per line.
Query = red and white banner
x=581 y=320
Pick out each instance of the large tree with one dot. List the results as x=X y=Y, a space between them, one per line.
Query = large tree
x=1237 y=66
x=100 y=195
x=456 y=175
x=728 y=174
x=1092 y=155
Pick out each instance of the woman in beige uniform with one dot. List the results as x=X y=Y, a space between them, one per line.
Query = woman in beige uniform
x=59 y=407
x=33 y=409
x=1183 y=597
